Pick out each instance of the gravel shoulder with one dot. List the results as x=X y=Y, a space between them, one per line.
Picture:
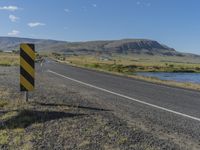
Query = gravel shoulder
x=58 y=116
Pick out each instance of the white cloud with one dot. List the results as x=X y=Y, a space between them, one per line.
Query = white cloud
x=148 y=4
x=94 y=5
x=14 y=33
x=143 y=3
x=35 y=24
x=138 y=3
x=13 y=18
x=9 y=8
x=66 y=28
x=67 y=10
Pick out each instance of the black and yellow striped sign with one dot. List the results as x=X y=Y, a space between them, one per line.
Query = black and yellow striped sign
x=27 y=67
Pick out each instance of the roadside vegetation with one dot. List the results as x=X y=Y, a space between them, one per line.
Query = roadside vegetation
x=9 y=59
x=129 y=65
x=13 y=58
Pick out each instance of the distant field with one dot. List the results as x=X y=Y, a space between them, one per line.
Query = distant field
x=9 y=59
x=137 y=63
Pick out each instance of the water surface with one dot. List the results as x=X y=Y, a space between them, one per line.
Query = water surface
x=180 y=77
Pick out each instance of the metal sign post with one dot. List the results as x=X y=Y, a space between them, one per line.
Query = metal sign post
x=27 y=68
x=26 y=96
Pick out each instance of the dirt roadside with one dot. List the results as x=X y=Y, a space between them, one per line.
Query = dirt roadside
x=58 y=117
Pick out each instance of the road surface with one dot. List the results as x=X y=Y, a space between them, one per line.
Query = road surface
x=168 y=111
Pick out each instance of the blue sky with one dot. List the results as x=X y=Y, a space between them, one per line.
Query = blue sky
x=175 y=23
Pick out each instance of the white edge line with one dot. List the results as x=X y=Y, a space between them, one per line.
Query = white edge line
x=127 y=97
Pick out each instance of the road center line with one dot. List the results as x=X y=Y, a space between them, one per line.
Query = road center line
x=127 y=97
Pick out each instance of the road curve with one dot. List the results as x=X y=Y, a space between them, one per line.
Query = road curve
x=170 y=109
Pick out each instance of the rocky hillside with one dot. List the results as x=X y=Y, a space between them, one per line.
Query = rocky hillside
x=125 y=46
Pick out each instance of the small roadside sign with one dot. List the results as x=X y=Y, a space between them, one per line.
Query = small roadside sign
x=27 y=67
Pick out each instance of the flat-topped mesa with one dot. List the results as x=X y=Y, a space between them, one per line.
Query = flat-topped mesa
x=124 y=46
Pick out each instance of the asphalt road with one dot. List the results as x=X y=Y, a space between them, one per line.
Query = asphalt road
x=168 y=111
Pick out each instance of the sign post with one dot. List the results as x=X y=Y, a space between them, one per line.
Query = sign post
x=27 y=68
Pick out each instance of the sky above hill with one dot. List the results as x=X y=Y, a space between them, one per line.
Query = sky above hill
x=175 y=23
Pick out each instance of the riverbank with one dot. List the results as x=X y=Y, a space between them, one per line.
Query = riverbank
x=136 y=63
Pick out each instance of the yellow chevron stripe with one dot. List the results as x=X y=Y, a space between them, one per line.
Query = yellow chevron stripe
x=28 y=50
x=26 y=84
x=27 y=67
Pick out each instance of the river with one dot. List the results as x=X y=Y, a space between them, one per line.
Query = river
x=180 y=77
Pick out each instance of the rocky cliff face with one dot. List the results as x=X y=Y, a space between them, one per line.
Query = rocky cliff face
x=138 y=46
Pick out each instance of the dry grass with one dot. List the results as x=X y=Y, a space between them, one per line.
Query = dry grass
x=139 y=63
x=9 y=59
